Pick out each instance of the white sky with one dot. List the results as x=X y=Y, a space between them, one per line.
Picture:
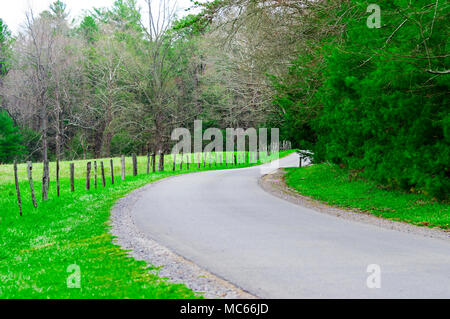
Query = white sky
x=13 y=11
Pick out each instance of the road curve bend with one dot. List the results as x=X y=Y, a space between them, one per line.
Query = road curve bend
x=224 y=222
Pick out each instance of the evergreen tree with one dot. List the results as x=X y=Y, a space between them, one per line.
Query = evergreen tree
x=385 y=101
x=5 y=40
x=10 y=139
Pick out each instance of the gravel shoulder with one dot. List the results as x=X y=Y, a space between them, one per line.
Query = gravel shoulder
x=274 y=184
x=172 y=266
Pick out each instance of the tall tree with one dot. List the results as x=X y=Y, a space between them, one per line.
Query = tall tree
x=5 y=42
x=5 y=49
x=41 y=85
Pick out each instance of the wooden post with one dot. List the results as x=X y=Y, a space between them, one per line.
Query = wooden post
x=122 y=160
x=135 y=170
x=181 y=163
x=19 y=200
x=95 y=174
x=112 y=171
x=235 y=159
x=88 y=176
x=148 y=163
x=204 y=159
x=174 y=161
x=72 y=177
x=161 y=162
x=153 y=162
x=187 y=162
x=57 y=177
x=198 y=160
x=102 y=168
x=45 y=181
x=30 y=179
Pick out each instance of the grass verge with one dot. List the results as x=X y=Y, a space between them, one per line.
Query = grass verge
x=331 y=184
x=37 y=250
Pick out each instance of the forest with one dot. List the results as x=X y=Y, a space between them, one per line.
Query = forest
x=360 y=85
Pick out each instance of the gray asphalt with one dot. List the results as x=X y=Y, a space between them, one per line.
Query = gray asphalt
x=224 y=222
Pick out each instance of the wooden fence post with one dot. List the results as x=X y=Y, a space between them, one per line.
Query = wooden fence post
x=95 y=174
x=19 y=200
x=181 y=163
x=174 y=161
x=45 y=181
x=153 y=162
x=122 y=161
x=30 y=179
x=148 y=163
x=72 y=177
x=161 y=161
x=198 y=160
x=102 y=168
x=57 y=177
x=88 y=176
x=135 y=170
x=112 y=171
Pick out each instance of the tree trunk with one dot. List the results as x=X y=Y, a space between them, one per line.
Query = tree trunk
x=45 y=181
x=106 y=144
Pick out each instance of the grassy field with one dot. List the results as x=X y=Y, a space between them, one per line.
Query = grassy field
x=37 y=249
x=332 y=185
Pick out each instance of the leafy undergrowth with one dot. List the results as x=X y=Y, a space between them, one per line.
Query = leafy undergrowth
x=331 y=184
x=37 y=250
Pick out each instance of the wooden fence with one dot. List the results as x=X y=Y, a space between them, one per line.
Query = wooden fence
x=202 y=159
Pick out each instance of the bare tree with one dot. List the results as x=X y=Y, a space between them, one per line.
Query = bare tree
x=155 y=75
x=104 y=72
x=28 y=82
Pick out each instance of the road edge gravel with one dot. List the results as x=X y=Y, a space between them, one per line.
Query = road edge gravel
x=171 y=266
x=274 y=184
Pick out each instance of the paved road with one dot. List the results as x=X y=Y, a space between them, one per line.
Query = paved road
x=224 y=222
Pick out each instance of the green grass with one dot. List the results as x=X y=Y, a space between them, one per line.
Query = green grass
x=331 y=184
x=37 y=249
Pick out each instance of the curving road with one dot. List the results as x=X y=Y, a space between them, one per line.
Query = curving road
x=224 y=222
